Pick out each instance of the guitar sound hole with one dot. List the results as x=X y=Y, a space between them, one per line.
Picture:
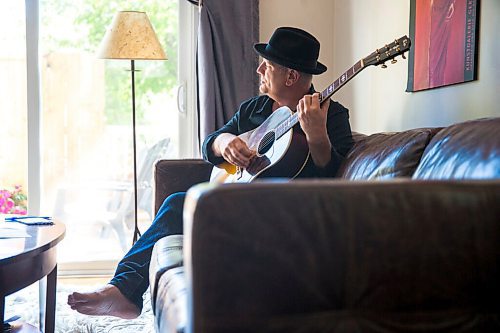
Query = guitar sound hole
x=266 y=143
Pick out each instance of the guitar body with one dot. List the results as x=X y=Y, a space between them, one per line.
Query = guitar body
x=285 y=156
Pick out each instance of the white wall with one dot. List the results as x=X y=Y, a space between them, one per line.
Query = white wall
x=307 y=15
x=351 y=29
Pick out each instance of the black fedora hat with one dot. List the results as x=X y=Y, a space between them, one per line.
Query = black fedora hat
x=293 y=48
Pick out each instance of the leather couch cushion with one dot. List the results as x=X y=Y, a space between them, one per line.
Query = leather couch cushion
x=468 y=150
x=345 y=256
x=171 y=301
x=385 y=155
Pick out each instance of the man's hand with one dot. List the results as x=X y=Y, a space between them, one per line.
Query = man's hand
x=312 y=118
x=233 y=149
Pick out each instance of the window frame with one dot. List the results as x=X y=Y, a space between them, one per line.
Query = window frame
x=33 y=107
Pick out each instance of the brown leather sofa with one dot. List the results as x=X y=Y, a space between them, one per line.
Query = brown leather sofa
x=407 y=240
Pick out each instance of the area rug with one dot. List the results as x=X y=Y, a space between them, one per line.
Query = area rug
x=25 y=304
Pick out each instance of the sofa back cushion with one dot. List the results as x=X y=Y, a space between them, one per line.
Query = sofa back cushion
x=385 y=155
x=468 y=150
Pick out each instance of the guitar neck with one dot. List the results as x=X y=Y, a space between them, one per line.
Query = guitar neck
x=379 y=56
x=343 y=79
x=324 y=95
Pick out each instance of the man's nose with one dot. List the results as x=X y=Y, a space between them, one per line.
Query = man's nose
x=259 y=68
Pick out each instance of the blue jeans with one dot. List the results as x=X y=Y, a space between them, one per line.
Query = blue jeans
x=132 y=274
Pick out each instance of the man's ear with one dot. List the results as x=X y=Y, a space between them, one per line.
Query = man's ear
x=292 y=77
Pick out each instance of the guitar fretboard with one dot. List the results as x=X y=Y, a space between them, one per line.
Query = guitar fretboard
x=343 y=79
x=286 y=125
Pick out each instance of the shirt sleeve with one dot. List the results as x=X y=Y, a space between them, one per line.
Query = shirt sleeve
x=230 y=127
x=247 y=117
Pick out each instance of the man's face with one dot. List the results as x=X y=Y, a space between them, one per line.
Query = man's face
x=272 y=78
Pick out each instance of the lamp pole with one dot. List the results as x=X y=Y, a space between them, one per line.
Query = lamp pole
x=137 y=232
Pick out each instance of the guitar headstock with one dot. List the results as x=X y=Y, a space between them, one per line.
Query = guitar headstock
x=388 y=52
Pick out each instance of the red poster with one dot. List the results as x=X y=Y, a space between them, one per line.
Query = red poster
x=444 y=50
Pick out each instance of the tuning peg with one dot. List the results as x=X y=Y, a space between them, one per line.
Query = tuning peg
x=384 y=65
x=403 y=56
x=393 y=61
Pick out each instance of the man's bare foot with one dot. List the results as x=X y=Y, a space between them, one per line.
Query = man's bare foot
x=107 y=301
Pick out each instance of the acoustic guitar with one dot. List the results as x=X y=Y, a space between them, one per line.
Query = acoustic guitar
x=281 y=147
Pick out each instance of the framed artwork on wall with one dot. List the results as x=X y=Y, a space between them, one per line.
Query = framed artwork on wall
x=444 y=36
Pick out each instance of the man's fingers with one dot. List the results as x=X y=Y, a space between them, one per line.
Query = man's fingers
x=315 y=100
x=238 y=154
x=325 y=105
x=242 y=150
x=236 y=158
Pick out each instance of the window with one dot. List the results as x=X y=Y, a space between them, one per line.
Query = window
x=13 y=110
x=86 y=167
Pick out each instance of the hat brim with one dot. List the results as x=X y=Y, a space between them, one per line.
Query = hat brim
x=260 y=48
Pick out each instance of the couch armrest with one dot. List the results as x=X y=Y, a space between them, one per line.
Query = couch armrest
x=167 y=254
x=171 y=176
x=343 y=256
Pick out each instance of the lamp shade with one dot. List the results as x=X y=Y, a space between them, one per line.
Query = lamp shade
x=131 y=36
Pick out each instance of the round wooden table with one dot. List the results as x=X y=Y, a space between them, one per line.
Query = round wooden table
x=23 y=261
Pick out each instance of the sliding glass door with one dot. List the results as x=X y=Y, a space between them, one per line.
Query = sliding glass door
x=86 y=166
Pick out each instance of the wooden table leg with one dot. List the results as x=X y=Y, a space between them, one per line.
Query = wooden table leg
x=50 y=304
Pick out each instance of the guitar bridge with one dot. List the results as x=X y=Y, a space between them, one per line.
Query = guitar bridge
x=239 y=173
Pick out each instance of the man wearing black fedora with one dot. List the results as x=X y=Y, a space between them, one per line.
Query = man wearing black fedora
x=290 y=59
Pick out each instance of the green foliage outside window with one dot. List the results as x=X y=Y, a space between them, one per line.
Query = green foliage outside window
x=93 y=17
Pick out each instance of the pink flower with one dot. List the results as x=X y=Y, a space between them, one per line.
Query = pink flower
x=10 y=204
x=13 y=202
x=19 y=211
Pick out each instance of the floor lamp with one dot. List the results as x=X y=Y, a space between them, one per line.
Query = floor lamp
x=131 y=37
